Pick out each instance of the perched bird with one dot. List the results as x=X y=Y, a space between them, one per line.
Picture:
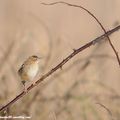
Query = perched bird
x=29 y=70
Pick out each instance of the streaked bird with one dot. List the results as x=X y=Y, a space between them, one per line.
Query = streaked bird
x=29 y=70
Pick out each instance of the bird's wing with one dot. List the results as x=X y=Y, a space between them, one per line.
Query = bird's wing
x=21 y=69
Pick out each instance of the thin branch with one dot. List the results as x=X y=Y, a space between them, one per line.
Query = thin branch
x=75 y=52
x=109 y=112
x=91 y=14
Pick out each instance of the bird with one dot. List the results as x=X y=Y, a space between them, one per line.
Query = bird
x=29 y=70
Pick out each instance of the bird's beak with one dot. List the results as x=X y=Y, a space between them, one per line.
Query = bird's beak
x=40 y=57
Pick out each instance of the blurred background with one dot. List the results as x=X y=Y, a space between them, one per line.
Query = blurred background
x=93 y=76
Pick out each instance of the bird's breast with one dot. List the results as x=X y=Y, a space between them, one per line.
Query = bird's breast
x=32 y=71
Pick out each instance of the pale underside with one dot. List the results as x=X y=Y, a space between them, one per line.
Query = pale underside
x=28 y=72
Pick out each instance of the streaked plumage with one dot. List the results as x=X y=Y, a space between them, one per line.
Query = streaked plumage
x=29 y=69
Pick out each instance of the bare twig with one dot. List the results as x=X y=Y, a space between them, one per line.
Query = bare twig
x=91 y=14
x=109 y=112
x=75 y=52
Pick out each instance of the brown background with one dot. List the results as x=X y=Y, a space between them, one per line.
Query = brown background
x=93 y=76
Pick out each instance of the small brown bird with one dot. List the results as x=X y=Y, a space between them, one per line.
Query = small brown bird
x=29 y=69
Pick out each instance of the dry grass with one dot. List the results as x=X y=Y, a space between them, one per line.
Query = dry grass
x=72 y=93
